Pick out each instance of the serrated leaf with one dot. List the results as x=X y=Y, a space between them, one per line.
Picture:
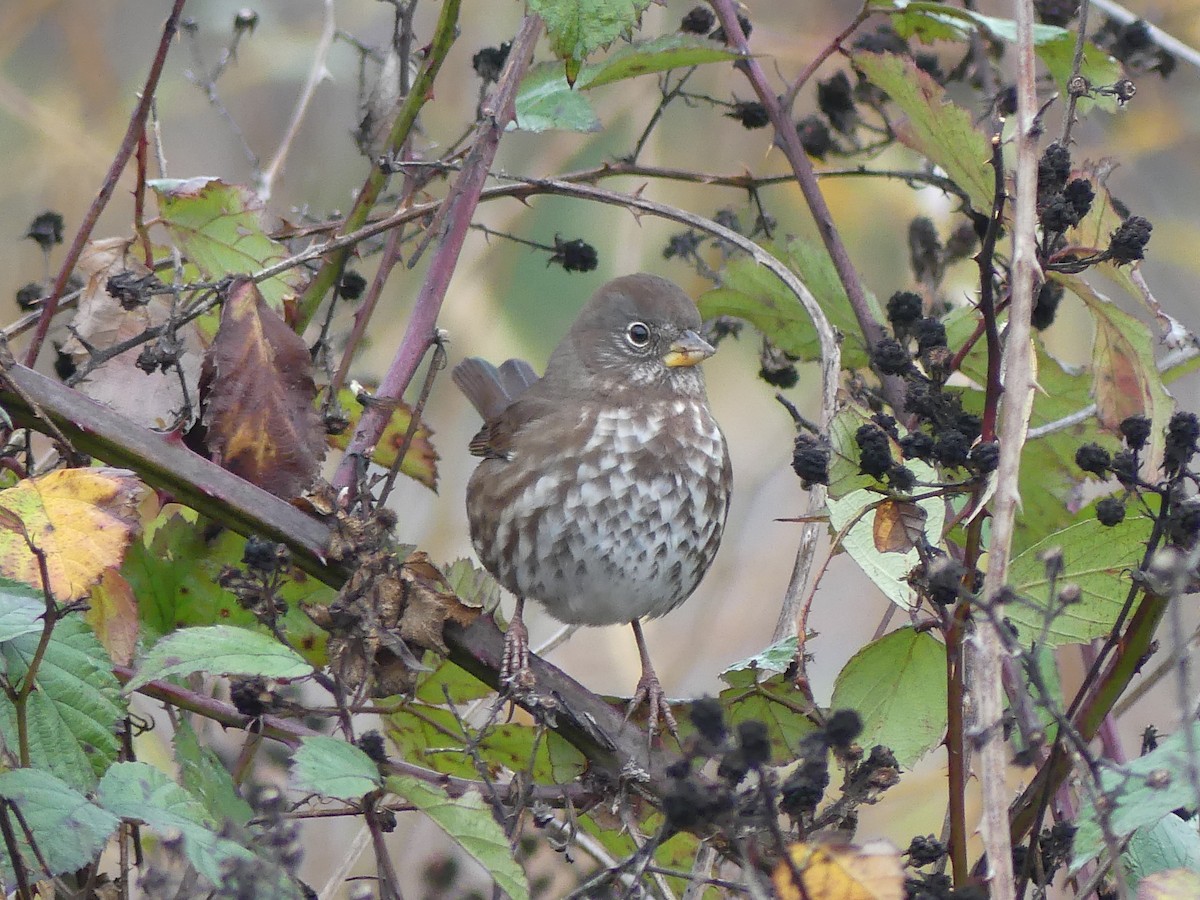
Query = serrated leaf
x=545 y=102
x=671 y=51
x=774 y=701
x=68 y=829
x=73 y=712
x=21 y=608
x=140 y=793
x=420 y=460
x=576 y=28
x=333 y=768
x=1055 y=46
x=218 y=226
x=1170 y=844
x=81 y=519
x=936 y=128
x=897 y=684
x=175 y=577
x=1096 y=558
x=774 y=659
x=219 y=650
x=889 y=571
x=1140 y=793
x=259 y=416
x=468 y=821
x=204 y=776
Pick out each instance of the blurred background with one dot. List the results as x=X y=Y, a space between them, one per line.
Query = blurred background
x=69 y=70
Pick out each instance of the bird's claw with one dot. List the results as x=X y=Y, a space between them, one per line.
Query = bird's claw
x=515 y=673
x=650 y=692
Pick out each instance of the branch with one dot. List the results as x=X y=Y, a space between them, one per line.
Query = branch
x=987 y=681
x=454 y=218
x=129 y=143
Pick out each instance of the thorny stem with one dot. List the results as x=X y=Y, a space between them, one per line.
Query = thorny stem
x=789 y=142
x=137 y=124
x=422 y=89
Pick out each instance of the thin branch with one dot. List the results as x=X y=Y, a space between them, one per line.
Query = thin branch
x=129 y=143
x=450 y=227
x=1168 y=42
x=316 y=75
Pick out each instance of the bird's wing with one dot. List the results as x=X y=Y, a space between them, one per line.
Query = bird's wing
x=495 y=439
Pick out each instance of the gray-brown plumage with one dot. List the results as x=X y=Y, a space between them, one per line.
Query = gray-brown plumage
x=604 y=485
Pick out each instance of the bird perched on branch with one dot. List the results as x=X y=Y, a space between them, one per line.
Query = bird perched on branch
x=604 y=484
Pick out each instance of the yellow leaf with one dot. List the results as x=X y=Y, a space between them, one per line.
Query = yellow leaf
x=113 y=614
x=841 y=872
x=80 y=519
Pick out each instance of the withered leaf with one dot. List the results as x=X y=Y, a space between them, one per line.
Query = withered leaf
x=259 y=401
x=420 y=457
x=155 y=399
x=430 y=603
x=899 y=526
x=834 y=871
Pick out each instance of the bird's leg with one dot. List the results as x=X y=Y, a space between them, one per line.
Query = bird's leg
x=649 y=689
x=514 y=667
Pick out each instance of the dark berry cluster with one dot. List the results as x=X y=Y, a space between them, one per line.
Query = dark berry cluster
x=46 y=230
x=1133 y=44
x=1062 y=201
x=489 y=62
x=574 y=256
x=750 y=113
x=1054 y=850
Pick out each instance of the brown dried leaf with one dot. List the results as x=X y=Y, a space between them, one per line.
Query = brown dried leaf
x=430 y=603
x=259 y=403
x=899 y=526
x=154 y=399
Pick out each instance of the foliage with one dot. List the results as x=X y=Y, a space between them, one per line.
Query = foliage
x=235 y=558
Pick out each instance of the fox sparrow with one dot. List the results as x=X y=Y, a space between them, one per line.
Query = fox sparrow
x=604 y=484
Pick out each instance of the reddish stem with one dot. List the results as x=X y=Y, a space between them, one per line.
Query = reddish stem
x=137 y=125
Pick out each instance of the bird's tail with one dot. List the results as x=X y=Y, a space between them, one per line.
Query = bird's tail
x=489 y=389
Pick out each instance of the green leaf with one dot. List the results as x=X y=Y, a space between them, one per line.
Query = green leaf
x=21 y=608
x=174 y=576
x=1168 y=844
x=545 y=102
x=141 y=793
x=889 y=571
x=468 y=821
x=463 y=687
x=1055 y=46
x=205 y=777
x=68 y=829
x=774 y=701
x=73 y=712
x=671 y=51
x=774 y=659
x=1096 y=558
x=334 y=768
x=218 y=226
x=219 y=650
x=576 y=28
x=936 y=128
x=751 y=292
x=1140 y=793
x=898 y=686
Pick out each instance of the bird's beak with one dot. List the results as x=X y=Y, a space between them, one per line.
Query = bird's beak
x=687 y=350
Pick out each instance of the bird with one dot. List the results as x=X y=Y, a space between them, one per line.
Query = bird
x=604 y=485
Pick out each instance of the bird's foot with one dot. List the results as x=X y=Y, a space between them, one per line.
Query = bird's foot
x=650 y=692
x=515 y=674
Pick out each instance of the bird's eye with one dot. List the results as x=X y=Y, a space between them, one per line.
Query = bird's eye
x=638 y=334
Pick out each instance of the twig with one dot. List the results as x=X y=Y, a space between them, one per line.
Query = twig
x=1168 y=42
x=454 y=217
x=137 y=123
x=316 y=74
x=986 y=673
x=817 y=61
